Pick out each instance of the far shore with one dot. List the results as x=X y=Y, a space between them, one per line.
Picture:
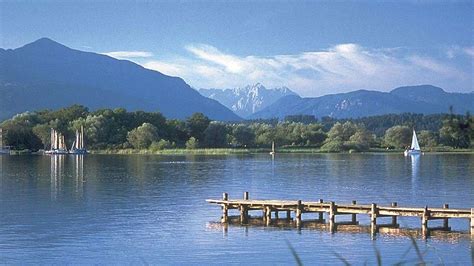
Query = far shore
x=230 y=151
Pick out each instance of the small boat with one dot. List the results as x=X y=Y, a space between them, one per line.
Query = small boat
x=415 y=147
x=58 y=145
x=78 y=146
x=273 y=148
x=3 y=149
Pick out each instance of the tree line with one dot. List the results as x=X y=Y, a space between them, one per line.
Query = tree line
x=120 y=129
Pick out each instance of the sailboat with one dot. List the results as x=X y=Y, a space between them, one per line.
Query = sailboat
x=415 y=147
x=3 y=149
x=58 y=145
x=273 y=148
x=78 y=146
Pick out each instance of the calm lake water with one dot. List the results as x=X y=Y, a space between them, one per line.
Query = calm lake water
x=138 y=209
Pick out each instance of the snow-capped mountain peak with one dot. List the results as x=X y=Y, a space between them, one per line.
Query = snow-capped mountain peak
x=247 y=100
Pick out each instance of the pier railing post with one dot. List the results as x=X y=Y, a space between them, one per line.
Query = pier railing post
x=244 y=213
x=446 y=220
x=472 y=221
x=332 y=212
x=394 y=218
x=373 y=213
x=299 y=209
x=354 y=216
x=424 y=220
x=373 y=220
x=225 y=208
x=320 y=214
x=268 y=213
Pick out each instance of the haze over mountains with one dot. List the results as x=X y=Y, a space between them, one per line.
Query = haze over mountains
x=424 y=99
x=247 y=100
x=46 y=74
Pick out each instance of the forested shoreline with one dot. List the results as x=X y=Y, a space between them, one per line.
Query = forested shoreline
x=118 y=129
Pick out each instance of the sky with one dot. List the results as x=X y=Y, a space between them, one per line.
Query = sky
x=312 y=47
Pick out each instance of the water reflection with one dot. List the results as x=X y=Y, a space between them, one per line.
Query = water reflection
x=415 y=167
x=57 y=174
x=452 y=237
x=79 y=175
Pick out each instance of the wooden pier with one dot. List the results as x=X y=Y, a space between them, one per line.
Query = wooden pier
x=271 y=209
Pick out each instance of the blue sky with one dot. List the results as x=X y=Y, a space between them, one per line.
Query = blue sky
x=313 y=47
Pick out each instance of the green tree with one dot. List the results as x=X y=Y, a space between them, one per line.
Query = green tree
x=347 y=136
x=215 y=135
x=427 y=138
x=142 y=136
x=362 y=139
x=161 y=145
x=43 y=132
x=243 y=136
x=192 y=143
x=456 y=131
x=398 y=137
x=196 y=124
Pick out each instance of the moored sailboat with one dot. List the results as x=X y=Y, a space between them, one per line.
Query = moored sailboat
x=58 y=145
x=78 y=146
x=415 y=147
x=273 y=148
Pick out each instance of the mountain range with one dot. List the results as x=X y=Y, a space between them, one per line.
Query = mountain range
x=47 y=74
x=247 y=100
x=426 y=99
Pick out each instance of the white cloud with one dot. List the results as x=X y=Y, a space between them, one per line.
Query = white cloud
x=341 y=68
x=456 y=50
x=469 y=51
x=129 y=54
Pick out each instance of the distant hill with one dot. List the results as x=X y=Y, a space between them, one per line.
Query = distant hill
x=247 y=100
x=425 y=99
x=46 y=74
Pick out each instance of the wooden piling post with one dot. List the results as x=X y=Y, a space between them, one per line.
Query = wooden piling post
x=320 y=214
x=373 y=214
x=446 y=220
x=268 y=213
x=288 y=215
x=332 y=212
x=394 y=218
x=225 y=208
x=244 y=213
x=354 y=216
x=424 y=219
x=472 y=221
x=276 y=215
x=298 y=211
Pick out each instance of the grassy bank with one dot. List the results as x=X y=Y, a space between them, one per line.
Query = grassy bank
x=227 y=151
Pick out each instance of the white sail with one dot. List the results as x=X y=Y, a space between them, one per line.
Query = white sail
x=414 y=142
x=76 y=142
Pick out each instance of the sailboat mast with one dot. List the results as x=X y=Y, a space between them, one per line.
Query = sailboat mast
x=82 y=137
x=76 y=142
x=55 y=140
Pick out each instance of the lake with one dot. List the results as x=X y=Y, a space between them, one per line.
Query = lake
x=139 y=209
